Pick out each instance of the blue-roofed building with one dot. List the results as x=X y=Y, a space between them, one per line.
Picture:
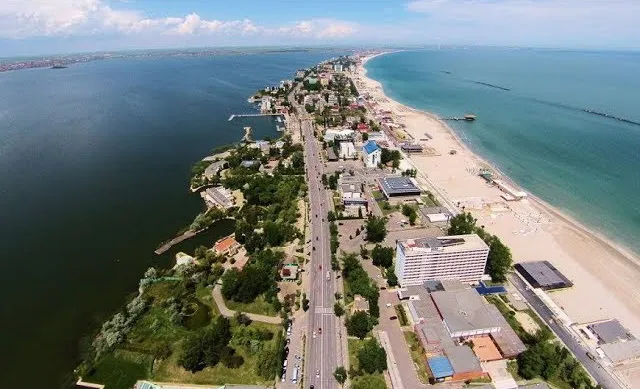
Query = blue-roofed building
x=372 y=154
x=440 y=367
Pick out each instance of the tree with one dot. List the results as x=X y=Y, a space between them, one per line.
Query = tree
x=392 y=279
x=359 y=324
x=499 y=260
x=372 y=357
x=382 y=256
x=340 y=374
x=376 y=228
x=305 y=303
x=201 y=252
x=462 y=224
x=365 y=136
x=242 y=319
x=338 y=309
x=324 y=180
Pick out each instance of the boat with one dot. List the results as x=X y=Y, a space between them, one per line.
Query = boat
x=59 y=67
x=469 y=117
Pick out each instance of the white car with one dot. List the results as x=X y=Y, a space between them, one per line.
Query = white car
x=314 y=334
x=388 y=305
x=317 y=373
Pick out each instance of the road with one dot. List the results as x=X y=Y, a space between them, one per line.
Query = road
x=603 y=377
x=323 y=351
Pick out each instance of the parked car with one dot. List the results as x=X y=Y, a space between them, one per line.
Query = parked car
x=393 y=318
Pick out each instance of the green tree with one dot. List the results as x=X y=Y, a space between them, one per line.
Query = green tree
x=372 y=358
x=338 y=309
x=201 y=252
x=268 y=363
x=324 y=180
x=499 y=260
x=376 y=228
x=340 y=374
x=382 y=256
x=392 y=279
x=359 y=324
x=462 y=224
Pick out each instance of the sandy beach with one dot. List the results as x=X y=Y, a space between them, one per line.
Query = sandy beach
x=605 y=275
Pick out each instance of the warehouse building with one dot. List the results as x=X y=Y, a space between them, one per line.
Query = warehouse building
x=394 y=187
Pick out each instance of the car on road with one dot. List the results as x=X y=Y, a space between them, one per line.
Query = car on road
x=388 y=305
x=314 y=334
x=393 y=318
x=317 y=373
x=319 y=331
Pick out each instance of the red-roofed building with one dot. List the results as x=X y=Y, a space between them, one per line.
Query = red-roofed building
x=227 y=245
x=363 y=127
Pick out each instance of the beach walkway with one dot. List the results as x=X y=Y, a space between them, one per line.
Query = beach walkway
x=162 y=249
x=217 y=297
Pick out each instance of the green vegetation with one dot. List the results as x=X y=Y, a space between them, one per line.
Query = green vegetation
x=340 y=374
x=357 y=281
x=121 y=369
x=430 y=200
x=259 y=306
x=338 y=309
x=359 y=378
x=410 y=212
x=207 y=218
x=382 y=256
x=359 y=324
x=417 y=354
x=369 y=382
x=410 y=173
x=392 y=156
x=372 y=358
x=499 y=261
x=257 y=278
x=208 y=347
x=402 y=315
x=392 y=278
x=376 y=228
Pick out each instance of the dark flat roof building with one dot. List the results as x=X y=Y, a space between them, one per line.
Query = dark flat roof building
x=398 y=186
x=543 y=275
x=610 y=331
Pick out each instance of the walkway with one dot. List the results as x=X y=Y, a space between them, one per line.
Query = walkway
x=217 y=297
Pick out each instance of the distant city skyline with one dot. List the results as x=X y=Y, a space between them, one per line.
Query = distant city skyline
x=34 y=27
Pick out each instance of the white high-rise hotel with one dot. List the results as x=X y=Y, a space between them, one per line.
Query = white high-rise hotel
x=457 y=257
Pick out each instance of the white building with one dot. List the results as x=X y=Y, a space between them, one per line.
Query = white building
x=337 y=67
x=372 y=154
x=334 y=134
x=332 y=99
x=308 y=100
x=266 y=104
x=456 y=257
x=347 y=150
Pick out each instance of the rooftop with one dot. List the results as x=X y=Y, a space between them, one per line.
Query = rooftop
x=225 y=244
x=622 y=351
x=464 y=310
x=451 y=243
x=542 y=274
x=610 y=331
x=399 y=186
x=485 y=349
x=421 y=302
x=462 y=359
x=370 y=147
x=440 y=367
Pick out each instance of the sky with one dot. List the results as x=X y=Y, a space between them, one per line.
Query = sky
x=31 y=27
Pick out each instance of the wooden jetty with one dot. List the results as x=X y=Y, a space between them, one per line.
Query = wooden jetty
x=244 y=115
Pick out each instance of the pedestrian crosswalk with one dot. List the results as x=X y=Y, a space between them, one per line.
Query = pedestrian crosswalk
x=324 y=310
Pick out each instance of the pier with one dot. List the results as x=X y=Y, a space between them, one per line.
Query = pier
x=253 y=115
x=162 y=249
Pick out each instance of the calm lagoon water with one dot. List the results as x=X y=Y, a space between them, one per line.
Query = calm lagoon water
x=94 y=172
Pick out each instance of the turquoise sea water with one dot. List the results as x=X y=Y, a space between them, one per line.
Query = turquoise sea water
x=531 y=122
x=94 y=173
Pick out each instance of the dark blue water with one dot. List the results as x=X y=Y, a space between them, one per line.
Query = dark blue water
x=536 y=131
x=94 y=172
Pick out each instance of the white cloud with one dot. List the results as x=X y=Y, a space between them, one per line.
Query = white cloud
x=33 y=18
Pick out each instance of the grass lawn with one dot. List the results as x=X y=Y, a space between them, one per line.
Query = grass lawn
x=402 y=316
x=204 y=295
x=417 y=354
x=369 y=381
x=121 y=369
x=512 y=368
x=259 y=307
x=169 y=370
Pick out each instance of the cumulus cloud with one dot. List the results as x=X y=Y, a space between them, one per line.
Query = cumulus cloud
x=33 y=18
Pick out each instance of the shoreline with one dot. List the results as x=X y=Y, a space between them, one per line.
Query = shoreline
x=586 y=267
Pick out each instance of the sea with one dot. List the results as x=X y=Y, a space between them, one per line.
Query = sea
x=95 y=162
x=533 y=125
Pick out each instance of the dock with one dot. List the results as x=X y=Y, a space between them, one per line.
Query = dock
x=176 y=240
x=244 y=115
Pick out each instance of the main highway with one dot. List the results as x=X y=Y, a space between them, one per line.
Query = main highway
x=322 y=346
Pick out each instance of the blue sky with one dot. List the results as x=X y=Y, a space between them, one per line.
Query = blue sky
x=51 y=26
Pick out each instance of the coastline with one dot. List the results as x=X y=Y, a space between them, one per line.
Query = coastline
x=602 y=269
